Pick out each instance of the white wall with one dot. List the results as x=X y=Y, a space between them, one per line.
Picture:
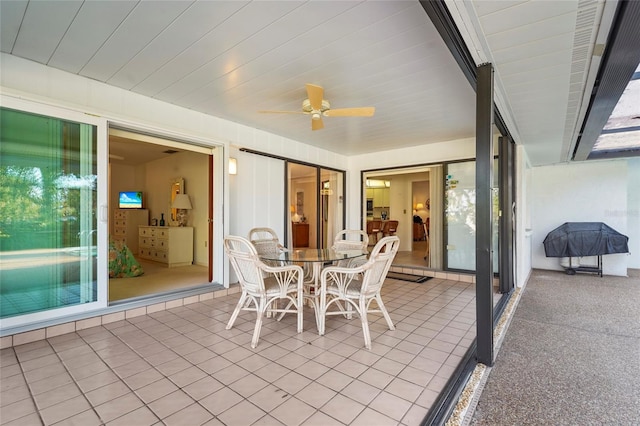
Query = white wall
x=579 y=192
x=523 y=217
x=633 y=212
x=194 y=169
x=256 y=194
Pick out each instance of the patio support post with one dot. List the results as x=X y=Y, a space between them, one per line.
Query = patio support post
x=506 y=214
x=484 y=215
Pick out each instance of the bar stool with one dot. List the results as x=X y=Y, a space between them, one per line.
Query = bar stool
x=373 y=228
x=390 y=228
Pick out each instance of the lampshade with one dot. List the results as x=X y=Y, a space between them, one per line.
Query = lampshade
x=181 y=201
x=419 y=206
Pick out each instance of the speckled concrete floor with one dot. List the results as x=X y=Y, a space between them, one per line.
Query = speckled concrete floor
x=571 y=355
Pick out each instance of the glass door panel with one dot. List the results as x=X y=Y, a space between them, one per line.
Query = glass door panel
x=303 y=202
x=48 y=204
x=316 y=205
x=460 y=216
x=332 y=205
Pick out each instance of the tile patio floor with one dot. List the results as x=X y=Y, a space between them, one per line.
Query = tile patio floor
x=181 y=367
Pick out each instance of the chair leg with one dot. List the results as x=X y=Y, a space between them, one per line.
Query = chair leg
x=236 y=311
x=300 y=308
x=320 y=316
x=349 y=310
x=383 y=309
x=256 y=331
x=365 y=323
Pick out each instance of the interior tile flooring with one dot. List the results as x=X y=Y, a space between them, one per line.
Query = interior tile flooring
x=181 y=366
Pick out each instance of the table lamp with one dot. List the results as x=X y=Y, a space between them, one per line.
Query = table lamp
x=182 y=203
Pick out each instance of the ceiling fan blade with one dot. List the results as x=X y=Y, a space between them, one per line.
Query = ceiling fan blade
x=281 y=112
x=317 y=124
x=315 y=94
x=351 y=112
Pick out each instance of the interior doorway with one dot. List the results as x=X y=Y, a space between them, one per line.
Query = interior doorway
x=316 y=205
x=159 y=243
x=421 y=201
x=410 y=196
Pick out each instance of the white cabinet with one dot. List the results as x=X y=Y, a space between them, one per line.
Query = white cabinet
x=170 y=245
x=125 y=226
x=380 y=197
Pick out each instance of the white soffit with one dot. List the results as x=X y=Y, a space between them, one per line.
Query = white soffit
x=542 y=57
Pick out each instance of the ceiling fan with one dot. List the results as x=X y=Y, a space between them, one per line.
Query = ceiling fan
x=318 y=107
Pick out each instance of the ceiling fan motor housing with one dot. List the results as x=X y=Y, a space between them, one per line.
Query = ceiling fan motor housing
x=315 y=114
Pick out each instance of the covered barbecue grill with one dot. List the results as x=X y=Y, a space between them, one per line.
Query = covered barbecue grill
x=578 y=239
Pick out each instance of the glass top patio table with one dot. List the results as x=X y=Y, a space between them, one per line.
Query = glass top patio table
x=314 y=255
x=317 y=258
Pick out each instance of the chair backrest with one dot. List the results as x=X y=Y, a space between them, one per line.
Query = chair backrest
x=351 y=239
x=245 y=262
x=379 y=263
x=265 y=241
x=373 y=226
x=390 y=227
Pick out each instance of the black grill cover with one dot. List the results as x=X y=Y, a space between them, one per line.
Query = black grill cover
x=575 y=239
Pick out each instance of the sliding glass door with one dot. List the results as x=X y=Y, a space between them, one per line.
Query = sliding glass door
x=48 y=213
x=316 y=205
x=332 y=205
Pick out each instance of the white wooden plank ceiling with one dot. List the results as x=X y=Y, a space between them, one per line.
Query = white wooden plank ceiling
x=231 y=59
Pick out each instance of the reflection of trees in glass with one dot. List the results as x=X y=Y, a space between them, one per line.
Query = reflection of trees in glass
x=38 y=207
x=20 y=195
x=460 y=206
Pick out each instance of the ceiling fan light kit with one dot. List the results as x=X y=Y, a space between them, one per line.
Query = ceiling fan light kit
x=318 y=107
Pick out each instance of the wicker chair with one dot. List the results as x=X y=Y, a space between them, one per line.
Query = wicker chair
x=266 y=241
x=351 y=239
x=263 y=285
x=357 y=287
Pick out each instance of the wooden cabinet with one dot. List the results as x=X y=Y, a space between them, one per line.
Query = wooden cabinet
x=418 y=232
x=170 y=245
x=125 y=226
x=300 y=234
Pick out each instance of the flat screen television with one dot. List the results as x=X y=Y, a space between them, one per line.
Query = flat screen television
x=130 y=200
